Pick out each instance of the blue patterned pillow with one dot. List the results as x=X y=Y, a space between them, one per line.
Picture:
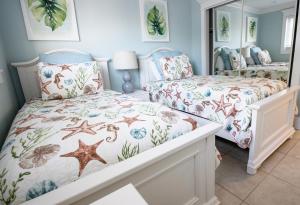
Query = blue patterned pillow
x=163 y=54
x=225 y=56
x=254 y=54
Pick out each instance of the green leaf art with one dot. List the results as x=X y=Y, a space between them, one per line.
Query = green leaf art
x=8 y=192
x=158 y=134
x=128 y=151
x=252 y=28
x=32 y=139
x=52 y=12
x=156 y=22
x=224 y=26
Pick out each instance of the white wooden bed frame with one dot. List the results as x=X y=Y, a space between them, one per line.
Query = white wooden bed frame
x=271 y=124
x=178 y=172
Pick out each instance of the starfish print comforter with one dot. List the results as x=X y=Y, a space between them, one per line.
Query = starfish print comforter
x=222 y=99
x=52 y=143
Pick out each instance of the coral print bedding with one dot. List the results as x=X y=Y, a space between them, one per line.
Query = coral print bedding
x=53 y=143
x=61 y=81
x=218 y=98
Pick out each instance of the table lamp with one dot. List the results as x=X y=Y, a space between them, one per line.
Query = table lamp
x=126 y=60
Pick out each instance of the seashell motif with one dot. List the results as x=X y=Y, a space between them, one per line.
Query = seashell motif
x=48 y=73
x=55 y=96
x=89 y=89
x=138 y=133
x=40 y=188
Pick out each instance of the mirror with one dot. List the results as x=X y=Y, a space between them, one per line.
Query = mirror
x=261 y=38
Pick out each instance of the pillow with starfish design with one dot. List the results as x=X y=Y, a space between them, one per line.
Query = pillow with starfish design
x=62 y=81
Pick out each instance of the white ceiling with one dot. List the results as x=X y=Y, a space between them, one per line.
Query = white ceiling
x=266 y=4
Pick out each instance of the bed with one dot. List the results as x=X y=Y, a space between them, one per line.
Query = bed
x=247 y=121
x=50 y=154
x=275 y=70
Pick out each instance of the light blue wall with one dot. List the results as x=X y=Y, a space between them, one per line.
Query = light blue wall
x=196 y=37
x=270 y=26
x=8 y=103
x=105 y=26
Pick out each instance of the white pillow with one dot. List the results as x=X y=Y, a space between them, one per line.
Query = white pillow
x=264 y=57
x=219 y=64
x=237 y=61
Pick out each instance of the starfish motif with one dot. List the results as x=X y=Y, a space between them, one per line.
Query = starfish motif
x=178 y=95
x=232 y=112
x=84 y=154
x=65 y=67
x=130 y=120
x=221 y=105
x=31 y=117
x=168 y=93
x=20 y=130
x=98 y=81
x=192 y=121
x=44 y=87
x=84 y=127
x=236 y=124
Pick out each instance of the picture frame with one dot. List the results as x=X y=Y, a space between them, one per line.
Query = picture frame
x=223 y=26
x=154 y=20
x=63 y=27
x=251 y=34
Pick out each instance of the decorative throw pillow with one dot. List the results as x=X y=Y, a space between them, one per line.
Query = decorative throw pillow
x=225 y=56
x=237 y=61
x=254 y=54
x=69 y=80
x=219 y=64
x=175 y=68
x=264 y=57
x=250 y=61
x=163 y=54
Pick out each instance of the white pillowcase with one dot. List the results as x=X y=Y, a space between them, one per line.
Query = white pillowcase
x=264 y=57
x=237 y=61
x=69 y=80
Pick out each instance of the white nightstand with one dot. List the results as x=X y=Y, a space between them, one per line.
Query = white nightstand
x=127 y=195
x=140 y=94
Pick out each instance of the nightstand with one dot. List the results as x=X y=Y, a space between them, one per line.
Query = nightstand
x=127 y=195
x=140 y=95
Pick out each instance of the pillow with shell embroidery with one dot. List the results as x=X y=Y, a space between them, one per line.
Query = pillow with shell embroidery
x=177 y=67
x=62 y=81
x=264 y=57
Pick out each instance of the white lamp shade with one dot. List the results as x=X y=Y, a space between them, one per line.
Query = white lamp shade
x=125 y=60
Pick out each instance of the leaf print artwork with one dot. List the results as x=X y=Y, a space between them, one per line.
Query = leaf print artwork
x=8 y=191
x=128 y=150
x=156 y=23
x=52 y=13
x=39 y=156
x=40 y=188
x=252 y=28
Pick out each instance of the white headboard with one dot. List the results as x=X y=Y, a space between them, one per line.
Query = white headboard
x=29 y=79
x=146 y=70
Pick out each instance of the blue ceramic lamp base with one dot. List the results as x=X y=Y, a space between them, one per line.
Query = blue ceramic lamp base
x=127 y=85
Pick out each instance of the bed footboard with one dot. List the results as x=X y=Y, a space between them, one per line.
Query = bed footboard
x=179 y=172
x=272 y=125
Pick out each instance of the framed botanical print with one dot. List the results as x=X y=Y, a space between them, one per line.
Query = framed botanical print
x=251 y=29
x=223 y=26
x=50 y=19
x=154 y=20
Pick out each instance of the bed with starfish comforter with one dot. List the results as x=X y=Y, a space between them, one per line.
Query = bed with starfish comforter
x=222 y=99
x=52 y=143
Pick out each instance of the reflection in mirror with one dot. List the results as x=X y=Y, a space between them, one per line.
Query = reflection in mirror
x=226 y=39
x=268 y=30
x=253 y=38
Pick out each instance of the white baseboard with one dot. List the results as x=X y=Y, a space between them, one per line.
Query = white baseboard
x=297 y=123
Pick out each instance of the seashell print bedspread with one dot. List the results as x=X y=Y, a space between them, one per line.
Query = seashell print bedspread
x=52 y=143
x=221 y=99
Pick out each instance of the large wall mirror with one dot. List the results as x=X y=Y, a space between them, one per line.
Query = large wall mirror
x=252 y=38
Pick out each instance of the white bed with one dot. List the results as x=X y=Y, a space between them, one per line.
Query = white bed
x=268 y=133
x=178 y=163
